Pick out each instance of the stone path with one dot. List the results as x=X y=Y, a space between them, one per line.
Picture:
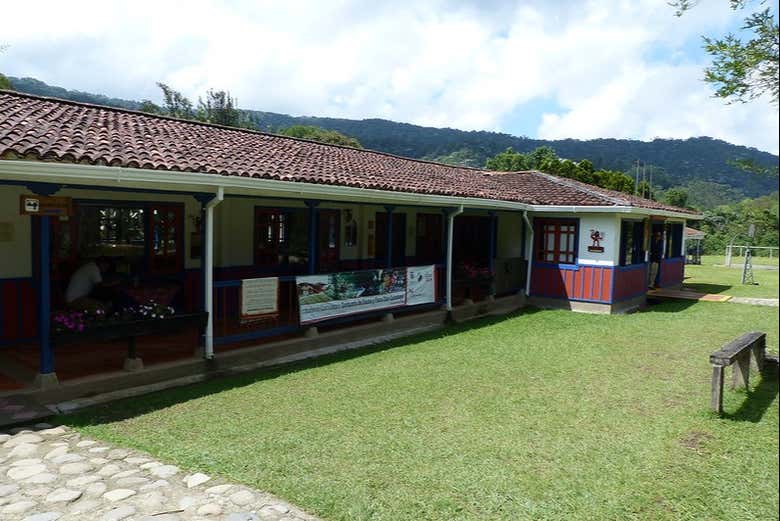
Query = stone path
x=773 y=302
x=53 y=473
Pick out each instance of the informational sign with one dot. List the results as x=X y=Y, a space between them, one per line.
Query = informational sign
x=45 y=205
x=420 y=285
x=259 y=297
x=321 y=297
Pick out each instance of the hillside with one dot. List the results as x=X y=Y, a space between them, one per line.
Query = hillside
x=701 y=163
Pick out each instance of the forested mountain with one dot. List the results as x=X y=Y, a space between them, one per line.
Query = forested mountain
x=701 y=164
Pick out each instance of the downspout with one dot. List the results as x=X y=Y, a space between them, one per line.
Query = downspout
x=450 y=226
x=208 y=260
x=529 y=254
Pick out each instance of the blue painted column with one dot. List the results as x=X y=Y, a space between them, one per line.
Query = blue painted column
x=389 y=260
x=312 y=268
x=44 y=298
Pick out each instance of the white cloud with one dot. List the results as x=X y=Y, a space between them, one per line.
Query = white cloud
x=616 y=68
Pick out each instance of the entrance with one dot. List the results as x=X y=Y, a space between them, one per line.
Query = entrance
x=656 y=253
x=399 y=239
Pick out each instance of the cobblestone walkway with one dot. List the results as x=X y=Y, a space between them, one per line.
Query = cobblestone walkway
x=49 y=474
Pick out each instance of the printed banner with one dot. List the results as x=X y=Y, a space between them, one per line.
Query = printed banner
x=420 y=285
x=259 y=297
x=321 y=297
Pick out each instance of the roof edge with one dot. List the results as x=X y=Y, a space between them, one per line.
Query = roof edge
x=236 y=129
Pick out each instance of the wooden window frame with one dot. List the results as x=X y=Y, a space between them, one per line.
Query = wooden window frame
x=543 y=228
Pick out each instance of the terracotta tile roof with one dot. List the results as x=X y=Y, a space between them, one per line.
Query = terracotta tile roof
x=33 y=127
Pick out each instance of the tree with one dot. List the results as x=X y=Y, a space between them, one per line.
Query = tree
x=507 y=161
x=5 y=83
x=175 y=104
x=743 y=70
x=676 y=196
x=150 y=107
x=330 y=137
x=544 y=158
x=218 y=108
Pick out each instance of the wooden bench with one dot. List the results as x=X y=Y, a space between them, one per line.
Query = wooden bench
x=745 y=352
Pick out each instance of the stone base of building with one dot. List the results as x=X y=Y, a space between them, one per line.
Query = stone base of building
x=493 y=306
x=625 y=306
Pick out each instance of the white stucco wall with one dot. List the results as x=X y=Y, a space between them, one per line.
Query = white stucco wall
x=606 y=223
x=16 y=250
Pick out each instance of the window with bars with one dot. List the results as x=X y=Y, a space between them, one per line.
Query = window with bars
x=674 y=239
x=281 y=237
x=556 y=241
x=632 y=238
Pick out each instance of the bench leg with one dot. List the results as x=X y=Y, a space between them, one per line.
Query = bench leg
x=757 y=354
x=717 y=388
x=132 y=362
x=740 y=372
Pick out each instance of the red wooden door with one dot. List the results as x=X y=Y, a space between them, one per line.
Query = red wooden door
x=166 y=239
x=270 y=236
x=329 y=229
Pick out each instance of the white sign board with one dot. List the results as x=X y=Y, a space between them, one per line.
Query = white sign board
x=259 y=296
x=420 y=285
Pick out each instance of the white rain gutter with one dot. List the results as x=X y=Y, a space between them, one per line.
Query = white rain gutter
x=79 y=174
x=208 y=283
x=450 y=226
x=529 y=254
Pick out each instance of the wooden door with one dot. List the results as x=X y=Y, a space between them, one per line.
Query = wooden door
x=165 y=240
x=328 y=240
x=429 y=245
x=398 y=239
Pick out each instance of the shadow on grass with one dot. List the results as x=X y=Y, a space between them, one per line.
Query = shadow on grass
x=663 y=305
x=130 y=407
x=704 y=287
x=759 y=399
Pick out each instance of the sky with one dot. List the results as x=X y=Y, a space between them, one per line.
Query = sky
x=550 y=69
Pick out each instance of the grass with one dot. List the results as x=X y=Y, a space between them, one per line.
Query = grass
x=720 y=260
x=714 y=279
x=542 y=415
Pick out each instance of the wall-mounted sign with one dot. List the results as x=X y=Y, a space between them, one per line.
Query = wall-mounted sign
x=420 y=285
x=321 y=297
x=596 y=236
x=44 y=205
x=259 y=297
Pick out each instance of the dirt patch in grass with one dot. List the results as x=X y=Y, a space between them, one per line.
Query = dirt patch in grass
x=695 y=440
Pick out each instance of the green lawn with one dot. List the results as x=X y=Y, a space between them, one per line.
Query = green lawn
x=542 y=415
x=710 y=260
x=714 y=279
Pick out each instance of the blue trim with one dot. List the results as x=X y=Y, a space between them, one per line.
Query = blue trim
x=631 y=267
x=312 y=204
x=571 y=267
x=237 y=282
x=44 y=299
